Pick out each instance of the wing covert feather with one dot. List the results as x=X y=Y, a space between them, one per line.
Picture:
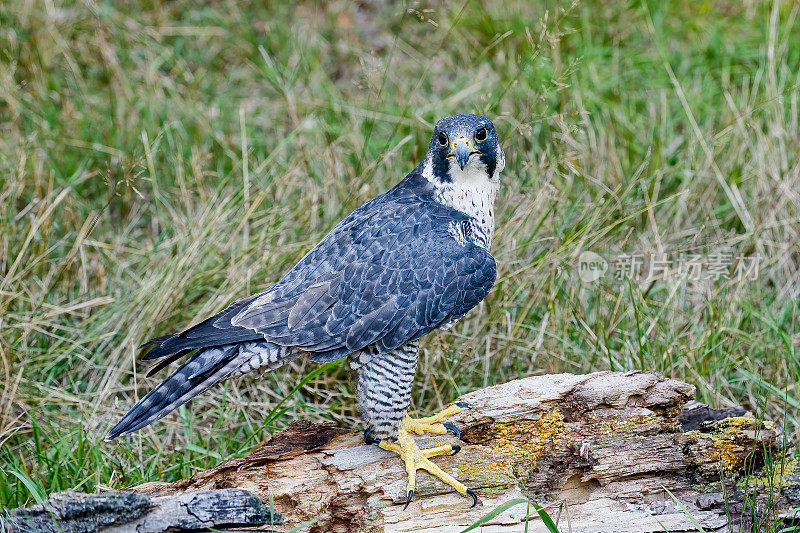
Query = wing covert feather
x=385 y=280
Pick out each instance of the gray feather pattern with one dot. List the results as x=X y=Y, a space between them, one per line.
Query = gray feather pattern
x=387 y=274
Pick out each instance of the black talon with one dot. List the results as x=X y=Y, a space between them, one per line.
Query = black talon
x=451 y=427
x=470 y=492
x=368 y=439
x=456 y=448
x=463 y=405
x=411 y=495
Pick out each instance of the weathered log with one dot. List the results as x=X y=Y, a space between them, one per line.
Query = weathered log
x=621 y=452
x=124 y=512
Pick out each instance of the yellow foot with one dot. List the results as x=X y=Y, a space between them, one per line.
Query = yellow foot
x=416 y=458
x=433 y=424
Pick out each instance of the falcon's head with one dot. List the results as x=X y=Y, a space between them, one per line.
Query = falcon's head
x=464 y=148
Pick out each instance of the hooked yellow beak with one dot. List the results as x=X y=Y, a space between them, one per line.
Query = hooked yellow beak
x=461 y=148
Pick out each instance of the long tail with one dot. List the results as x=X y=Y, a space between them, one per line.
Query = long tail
x=202 y=370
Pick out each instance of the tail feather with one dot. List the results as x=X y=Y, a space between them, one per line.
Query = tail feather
x=202 y=370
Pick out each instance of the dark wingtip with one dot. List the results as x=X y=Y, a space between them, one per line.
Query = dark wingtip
x=153 y=351
x=471 y=492
x=155 y=340
x=152 y=371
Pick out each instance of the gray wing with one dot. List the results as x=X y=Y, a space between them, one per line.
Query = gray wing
x=388 y=276
x=218 y=330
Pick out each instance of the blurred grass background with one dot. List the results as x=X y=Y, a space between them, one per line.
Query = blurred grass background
x=160 y=159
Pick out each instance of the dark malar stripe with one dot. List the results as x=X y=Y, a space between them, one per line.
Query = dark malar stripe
x=490 y=161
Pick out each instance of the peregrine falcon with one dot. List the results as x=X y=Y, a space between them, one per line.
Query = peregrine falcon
x=405 y=263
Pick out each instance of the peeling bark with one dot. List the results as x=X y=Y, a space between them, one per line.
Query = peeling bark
x=127 y=512
x=599 y=450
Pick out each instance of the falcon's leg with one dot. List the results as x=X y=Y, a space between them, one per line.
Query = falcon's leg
x=384 y=386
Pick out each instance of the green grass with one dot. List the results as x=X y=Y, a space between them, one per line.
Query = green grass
x=541 y=512
x=158 y=161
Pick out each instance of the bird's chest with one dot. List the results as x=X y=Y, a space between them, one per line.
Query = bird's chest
x=477 y=202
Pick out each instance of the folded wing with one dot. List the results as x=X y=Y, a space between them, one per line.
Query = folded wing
x=387 y=274
x=383 y=283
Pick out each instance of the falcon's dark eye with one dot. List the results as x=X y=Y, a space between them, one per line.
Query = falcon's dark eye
x=442 y=139
x=480 y=135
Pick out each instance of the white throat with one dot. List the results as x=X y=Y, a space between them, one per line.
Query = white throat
x=471 y=191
